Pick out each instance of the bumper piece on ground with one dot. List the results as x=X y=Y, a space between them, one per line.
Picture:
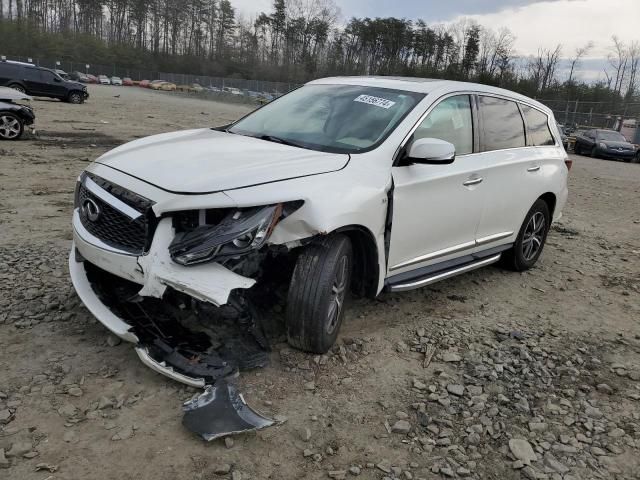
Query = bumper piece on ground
x=221 y=411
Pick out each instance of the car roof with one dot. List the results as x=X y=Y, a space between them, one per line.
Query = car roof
x=426 y=86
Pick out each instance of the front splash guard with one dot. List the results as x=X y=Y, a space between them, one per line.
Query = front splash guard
x=221 y=411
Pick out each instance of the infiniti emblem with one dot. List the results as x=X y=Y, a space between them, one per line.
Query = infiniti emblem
x=91 y=210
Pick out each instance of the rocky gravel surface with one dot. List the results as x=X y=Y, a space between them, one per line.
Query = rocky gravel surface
x=491 y=375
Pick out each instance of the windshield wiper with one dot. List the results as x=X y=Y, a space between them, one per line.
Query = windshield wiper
x=283 y=141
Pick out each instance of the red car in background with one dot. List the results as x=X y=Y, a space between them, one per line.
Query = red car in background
x=127 y=82
x=91 y=78
x=144 y=83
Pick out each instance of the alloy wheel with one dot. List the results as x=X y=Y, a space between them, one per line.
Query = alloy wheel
x=9 y=127
x=337 y=295
x=533 y=238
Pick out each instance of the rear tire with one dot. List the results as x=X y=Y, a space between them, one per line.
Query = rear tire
x=11 y=126
x=317 y=293
x=594 y=152
x=531 y=239
x=18 y=87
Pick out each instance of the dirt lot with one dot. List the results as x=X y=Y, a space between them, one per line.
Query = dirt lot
x=533 y=375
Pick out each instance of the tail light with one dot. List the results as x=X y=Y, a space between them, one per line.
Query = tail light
x=569 y=163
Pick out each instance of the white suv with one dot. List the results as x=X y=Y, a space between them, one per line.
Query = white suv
x=355 y=184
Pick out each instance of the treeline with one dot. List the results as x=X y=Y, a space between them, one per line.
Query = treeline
x=294 y=42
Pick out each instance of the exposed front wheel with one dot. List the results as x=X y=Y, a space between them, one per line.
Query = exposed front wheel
x=531 y=239
x=317 y=294
x=11 y=127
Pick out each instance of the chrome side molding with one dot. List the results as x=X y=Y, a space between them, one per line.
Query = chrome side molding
x=451 y=250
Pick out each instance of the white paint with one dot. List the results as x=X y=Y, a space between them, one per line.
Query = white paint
x=436 y=209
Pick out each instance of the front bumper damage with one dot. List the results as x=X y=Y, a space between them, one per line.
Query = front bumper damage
x=192 y=324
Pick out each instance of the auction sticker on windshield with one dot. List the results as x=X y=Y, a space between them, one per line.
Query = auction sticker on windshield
x=376 y=101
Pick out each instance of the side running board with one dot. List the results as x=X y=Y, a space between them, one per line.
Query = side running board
x=442 y=274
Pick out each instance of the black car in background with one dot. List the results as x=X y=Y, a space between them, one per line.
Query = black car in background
x=14 y=116
x=40 y=82
x=604 y=144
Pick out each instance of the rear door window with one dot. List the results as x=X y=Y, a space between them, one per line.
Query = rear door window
x=538 y=131
x=502 y=124
x=31 y=74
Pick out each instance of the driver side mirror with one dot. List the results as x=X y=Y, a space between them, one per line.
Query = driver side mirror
x=56 y=79
x=431 y=151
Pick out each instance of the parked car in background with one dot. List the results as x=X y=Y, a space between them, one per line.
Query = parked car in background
x=155 y=85
x=368 y=184
x=62 y=73
x=79 y=77
x=232 y=91
x=197 y=88
x=144 y=83
x=92 y=78
x=104 y=80
x=14 y=116
x=127 y=82
x=604 y=144
x=213 y=89
x=116 y=81
x=41 y=82
x=167 y=87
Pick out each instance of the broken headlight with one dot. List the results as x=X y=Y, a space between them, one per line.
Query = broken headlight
x=241 y=231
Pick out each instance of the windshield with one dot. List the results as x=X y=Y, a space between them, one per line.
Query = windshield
x=330 y=118
x=611 y=137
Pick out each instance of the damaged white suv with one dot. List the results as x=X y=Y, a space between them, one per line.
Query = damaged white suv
x=358 y=184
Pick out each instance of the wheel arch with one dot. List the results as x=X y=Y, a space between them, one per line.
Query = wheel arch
x=366 y=272
x=550 y=199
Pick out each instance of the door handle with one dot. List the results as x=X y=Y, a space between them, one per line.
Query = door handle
x=533 y=169
x=473 y=181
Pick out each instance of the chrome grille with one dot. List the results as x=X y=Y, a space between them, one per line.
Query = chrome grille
x=113 y=227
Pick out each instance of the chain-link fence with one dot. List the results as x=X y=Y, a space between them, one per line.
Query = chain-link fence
x=260 y=86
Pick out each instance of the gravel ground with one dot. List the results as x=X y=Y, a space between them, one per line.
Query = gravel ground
x=491 y=375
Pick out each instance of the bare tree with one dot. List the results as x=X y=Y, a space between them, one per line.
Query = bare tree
x=618 y=59
x=579 y=54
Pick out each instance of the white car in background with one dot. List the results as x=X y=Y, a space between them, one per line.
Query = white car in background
x=362 y=184
x=116 y=81
x=104 y=80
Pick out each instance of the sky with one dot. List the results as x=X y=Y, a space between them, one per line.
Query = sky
x=535 y=23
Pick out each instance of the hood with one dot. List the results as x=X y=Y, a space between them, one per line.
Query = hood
x=75 y=84
x=10 y=94
x=208 y=161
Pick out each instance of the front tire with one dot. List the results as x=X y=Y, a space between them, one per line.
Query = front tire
x=11 y=126
x=531 y=239
x=576 y=149
x=594 y=152
x=76 y=98
x=319 y=287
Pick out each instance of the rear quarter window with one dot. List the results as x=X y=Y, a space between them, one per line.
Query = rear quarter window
x=538 y=131
x=502 y=124
x=8 y=70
